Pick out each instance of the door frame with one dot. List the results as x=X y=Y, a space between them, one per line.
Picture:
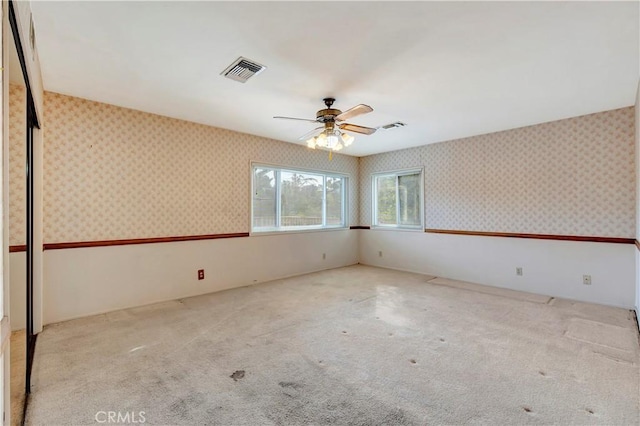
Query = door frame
x=16 y=26
x=31 y=123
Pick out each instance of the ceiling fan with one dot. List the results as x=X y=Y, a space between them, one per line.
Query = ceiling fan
x=331 y=135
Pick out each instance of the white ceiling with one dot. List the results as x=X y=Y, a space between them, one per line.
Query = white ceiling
x=447 y=69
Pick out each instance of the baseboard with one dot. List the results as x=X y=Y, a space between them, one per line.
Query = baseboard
x=635 y=312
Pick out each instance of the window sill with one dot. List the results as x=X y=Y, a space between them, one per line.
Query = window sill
x=297 y=231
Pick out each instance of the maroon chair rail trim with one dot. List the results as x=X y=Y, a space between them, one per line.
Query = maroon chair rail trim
x=535 y=236
x=82 y=244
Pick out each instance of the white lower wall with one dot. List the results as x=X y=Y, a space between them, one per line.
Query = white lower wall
x=638 y=285
x=18 y=291
x=86 y=281
x=553 y=268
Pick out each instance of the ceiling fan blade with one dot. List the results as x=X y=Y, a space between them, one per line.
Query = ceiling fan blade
x=309 y=134
x=354 y=112
x=298 y=119
x=358 y=129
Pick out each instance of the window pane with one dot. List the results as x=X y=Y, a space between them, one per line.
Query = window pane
x=334 y=201
x=301 y=196
x=409 y=199
x=386 y=200
x=264 y=198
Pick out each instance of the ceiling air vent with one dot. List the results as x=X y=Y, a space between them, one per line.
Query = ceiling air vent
x=242 y=69
x=392 y=125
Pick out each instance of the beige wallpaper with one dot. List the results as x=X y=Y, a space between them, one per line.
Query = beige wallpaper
x=17 y=164
x=568 y=177
x=114 y=173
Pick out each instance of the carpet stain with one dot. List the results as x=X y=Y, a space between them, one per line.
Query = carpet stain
x=412 y=361
x=294 y=385
x=589 y=410
x=441 y=339
x=237 y=375
x=395 y=417
x=344 y=332
x=367 y=298
x=179 y=408
x=527 y=409
x=542 y=373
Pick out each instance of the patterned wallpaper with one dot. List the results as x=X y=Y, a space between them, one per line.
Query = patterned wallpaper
x=568 y=177
x=115 y=173
x=17 y=164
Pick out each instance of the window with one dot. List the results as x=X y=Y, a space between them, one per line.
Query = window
x=287 y=199
x=397 y=199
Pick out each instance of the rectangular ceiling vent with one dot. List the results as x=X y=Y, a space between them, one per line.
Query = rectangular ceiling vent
x=242 y=69
x=393 y=125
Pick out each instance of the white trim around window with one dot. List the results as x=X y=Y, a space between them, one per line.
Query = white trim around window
x=292 y=199
x=398 y=200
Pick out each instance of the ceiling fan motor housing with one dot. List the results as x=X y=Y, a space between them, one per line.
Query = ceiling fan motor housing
x=329 y=114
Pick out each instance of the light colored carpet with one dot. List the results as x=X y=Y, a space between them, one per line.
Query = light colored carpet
x=356 y=345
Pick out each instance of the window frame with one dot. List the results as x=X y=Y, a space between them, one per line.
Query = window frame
x=278 y=229
x=374 y=200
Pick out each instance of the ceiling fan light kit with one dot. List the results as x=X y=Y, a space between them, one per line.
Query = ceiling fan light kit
x=332 y=135
x=330 y=138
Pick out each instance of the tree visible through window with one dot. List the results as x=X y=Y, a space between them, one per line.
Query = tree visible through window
x=301 y=199
x=291 y=199
x=398 y=199
x=264 y=198
x=335 y=203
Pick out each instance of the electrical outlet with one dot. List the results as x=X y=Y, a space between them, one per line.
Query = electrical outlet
x=201 y=274
x=324 y=256
x=380 y=254
x=586 y=279
x=519 y=270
